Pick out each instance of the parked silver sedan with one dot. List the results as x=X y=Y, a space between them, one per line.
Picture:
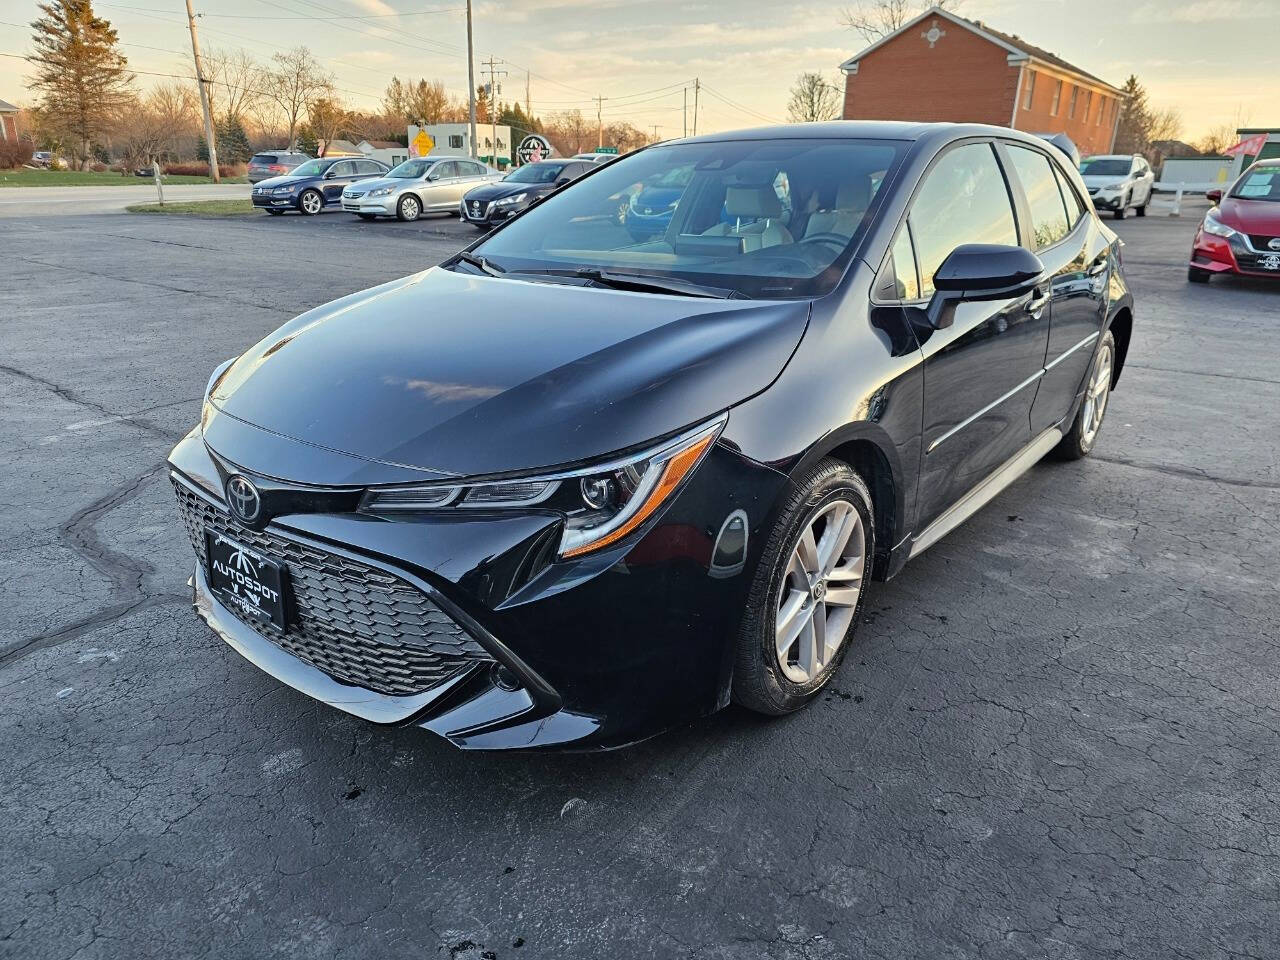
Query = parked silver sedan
x=417 y=186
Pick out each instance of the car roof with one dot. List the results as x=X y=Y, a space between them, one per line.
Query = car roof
x=865 y=130
x=1111 y=156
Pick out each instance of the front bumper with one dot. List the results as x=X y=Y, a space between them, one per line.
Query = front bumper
x=378 y=206
x=1233 y=255
x=593 y=653
x=1107 y=199
x=267 y=200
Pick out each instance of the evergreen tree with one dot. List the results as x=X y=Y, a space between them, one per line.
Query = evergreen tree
x=233 y=142
x=81 y=76
x=307 y=142
x=1133 y=132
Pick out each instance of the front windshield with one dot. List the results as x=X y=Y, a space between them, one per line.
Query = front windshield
x=312 y=168
x=1262 y=183
x=1105 y=167
x=535 y=173
x=766 y=218
x=411 y=169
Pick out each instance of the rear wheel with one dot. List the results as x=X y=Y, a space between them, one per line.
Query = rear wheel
x=310 y=203
x=409 y=208
x=807 y=593
x=1097 y=392
x=1196 y=275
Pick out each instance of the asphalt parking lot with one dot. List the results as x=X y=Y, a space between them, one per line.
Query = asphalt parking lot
x=1058 y=736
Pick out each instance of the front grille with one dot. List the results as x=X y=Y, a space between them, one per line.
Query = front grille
x=477 y=213
x=1260 y=242
x=353 y=196
x=359 y=624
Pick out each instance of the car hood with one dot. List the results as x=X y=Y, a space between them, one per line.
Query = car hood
x=282 y=181
x=1251 y=216
x=364 y=186
x=658 y=198
x=504 y=188
x=1102 y=180
x=452 y=374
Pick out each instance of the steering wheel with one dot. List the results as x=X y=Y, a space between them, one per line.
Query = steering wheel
x=834 y=239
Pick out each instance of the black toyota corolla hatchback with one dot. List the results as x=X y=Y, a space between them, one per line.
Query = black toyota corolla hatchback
x=568 y=489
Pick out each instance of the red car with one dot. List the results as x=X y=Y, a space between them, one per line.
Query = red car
x=1242 y=234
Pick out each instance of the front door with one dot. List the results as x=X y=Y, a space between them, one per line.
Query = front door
x=443 y=191
x=980 y=373
x=339 y=176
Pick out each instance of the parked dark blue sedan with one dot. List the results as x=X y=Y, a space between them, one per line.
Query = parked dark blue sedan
x=314 y=185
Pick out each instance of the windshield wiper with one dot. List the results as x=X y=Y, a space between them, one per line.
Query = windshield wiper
x=478 y=261
x=639 y=281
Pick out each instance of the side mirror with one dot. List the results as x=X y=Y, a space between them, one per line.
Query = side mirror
x=1215 y=195
x=330 y=173
x=981 y=271
x=433 y=175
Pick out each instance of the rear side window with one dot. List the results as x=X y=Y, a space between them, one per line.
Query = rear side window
x=264 y=158
x=1075 y=209
x=1048 y=215
x=964 y=199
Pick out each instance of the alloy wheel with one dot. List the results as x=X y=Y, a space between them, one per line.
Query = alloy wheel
x=1096 y=395
x=311 y=203
x=820 y=591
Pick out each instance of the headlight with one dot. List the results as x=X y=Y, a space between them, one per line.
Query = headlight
x=284 y=189
x=206 y=408
x=507 y=201
x=1215 y=226
x=381 y=191
x=1114 y=186
x=601 y=504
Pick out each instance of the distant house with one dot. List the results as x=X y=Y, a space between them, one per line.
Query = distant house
x=388 y=151
x=940 y=66
x=8 y=121
x=338 y=148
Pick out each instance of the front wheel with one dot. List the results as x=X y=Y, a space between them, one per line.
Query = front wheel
x=1097 y=392
x=807 y=593
x=408 y=209
x=1142 y=210
x=1124 y=204
x=310 y=203
x=1196 y=275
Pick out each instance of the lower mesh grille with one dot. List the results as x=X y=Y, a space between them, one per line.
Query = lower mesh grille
x=357 y=623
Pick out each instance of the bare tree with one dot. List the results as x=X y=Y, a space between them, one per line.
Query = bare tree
x=873 y=19
x=81 y=76
x=236 y=82
x=813 y=98
x=176 y=109
x=1219 y=137
x=1164 y=124
x=295 y=80
x=570 y=132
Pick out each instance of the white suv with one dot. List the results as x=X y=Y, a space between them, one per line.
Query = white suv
x=1118 y=181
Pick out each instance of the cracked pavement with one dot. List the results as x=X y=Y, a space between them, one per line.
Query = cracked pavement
x=1057 y=736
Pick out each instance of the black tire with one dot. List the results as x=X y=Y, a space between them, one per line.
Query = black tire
x=409 y=208
x=310 y=198
x=1080 y=440
x=759 y=682
x=1196 y=275
x=1124 y=204
x=1142 y=210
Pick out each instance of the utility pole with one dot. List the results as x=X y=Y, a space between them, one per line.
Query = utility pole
x=528 y=104
x=599 y=123
x=697 y=85
x=655 y=130
x=471 y=80
x=204 y=96
x=491 y=63
x=686 y=111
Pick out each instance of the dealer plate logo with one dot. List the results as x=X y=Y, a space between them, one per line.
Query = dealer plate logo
x=243 y=499
x=1270 y=262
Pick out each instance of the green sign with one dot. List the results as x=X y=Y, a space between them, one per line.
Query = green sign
x=606 y=150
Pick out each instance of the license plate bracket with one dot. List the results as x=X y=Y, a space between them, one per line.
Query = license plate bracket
x=253 y=585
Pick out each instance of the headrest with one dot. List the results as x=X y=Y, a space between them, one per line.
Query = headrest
x=752 y=202
x=852 y=195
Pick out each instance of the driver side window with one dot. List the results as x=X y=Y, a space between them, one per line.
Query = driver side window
x=964 y=199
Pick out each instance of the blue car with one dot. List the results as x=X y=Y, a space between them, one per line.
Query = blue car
x=314 y=185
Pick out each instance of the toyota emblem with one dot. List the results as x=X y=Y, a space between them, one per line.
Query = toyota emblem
x=1273 y=243
x=243 y=499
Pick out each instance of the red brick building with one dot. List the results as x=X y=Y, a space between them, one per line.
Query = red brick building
x=8 y=121
x=941 y=66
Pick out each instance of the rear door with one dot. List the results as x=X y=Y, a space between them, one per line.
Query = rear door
x=1066 y=238
x=980 y=373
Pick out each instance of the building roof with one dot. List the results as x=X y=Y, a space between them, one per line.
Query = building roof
x=1019 y=50
x=7 y=107
x=385 y=144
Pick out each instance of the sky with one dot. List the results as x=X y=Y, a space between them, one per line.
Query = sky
x=1212 y=60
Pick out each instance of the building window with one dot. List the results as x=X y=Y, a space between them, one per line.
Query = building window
x=455 y=141
x=1031 y=86
x=1057 y=99
x=1071 y=107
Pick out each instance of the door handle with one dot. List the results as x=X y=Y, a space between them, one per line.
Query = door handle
x=1037 y=303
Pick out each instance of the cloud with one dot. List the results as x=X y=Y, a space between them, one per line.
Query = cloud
x=375 y=7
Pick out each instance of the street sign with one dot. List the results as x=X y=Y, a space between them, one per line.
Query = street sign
x=533 y=148
x=606 y=150
x=422 y=144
